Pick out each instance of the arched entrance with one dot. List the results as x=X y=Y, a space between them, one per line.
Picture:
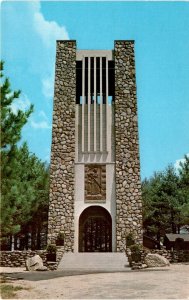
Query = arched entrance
x=95 y=230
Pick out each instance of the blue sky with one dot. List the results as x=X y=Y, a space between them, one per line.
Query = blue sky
x=161 y=33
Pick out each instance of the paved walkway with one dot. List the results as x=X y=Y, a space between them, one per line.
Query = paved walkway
x=94 y=261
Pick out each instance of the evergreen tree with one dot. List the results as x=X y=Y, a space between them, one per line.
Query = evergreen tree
x=24 y=189
x=24 y=177
x=163 y=203
x=184 y=190
x=11 y=126
x=11 y=123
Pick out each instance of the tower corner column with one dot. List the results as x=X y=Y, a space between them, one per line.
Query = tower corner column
x=128 y=184
x=61 y=199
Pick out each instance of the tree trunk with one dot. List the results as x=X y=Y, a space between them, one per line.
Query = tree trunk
x=12 y=242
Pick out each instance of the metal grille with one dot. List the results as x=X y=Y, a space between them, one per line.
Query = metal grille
x=96 y=235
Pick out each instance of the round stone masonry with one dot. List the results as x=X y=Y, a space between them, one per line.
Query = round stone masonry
x=128 y=186
x=127 y=164
x=61 y=208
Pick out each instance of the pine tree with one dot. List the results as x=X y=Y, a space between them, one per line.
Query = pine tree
x=11 y=126
x=24 y=184
x=24 y=193
x=184 y=190
x=11 y=123
x=162 y=203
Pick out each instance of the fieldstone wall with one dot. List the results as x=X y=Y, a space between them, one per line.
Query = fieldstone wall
x=128 y=185
x=17 y=258
x=179 y=255
x=61 y=206
x=174 y=256
x=163 y=252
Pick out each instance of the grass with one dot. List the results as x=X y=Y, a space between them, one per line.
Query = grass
x=8 y=291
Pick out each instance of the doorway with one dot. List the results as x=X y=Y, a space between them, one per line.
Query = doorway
x=95 y=230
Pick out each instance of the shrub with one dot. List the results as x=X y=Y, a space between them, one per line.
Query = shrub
x=130 y=240
x=136 y=251
x=51 y=248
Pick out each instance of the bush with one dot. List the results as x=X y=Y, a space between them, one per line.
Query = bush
x=51 y=248
x=136 y=251
x=130 y=240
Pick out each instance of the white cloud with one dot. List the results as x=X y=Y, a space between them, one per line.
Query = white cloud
x=43 y=114
x=48 y=87
x=40 y=125
x=49 y=31
x=178 y=161
x=33 y=41
x=23 y=103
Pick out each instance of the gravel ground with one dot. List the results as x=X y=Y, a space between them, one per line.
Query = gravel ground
x=168 y=283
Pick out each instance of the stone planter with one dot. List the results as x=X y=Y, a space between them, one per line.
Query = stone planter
x=51 y=257
x=60 y=242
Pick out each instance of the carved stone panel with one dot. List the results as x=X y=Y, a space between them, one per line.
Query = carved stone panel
x=95 y=182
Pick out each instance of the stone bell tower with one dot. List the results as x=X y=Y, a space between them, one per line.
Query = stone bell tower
x=95 y=189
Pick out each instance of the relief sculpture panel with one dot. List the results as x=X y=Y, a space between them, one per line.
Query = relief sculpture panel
x=95 y=182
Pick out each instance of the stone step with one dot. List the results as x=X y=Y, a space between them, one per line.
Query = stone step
x=106 y=261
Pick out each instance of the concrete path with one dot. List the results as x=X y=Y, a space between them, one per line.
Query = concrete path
x=104 y=261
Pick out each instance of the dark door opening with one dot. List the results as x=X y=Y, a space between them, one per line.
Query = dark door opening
x=95 y=230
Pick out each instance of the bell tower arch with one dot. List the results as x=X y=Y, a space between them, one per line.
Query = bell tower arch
x=95 y=230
